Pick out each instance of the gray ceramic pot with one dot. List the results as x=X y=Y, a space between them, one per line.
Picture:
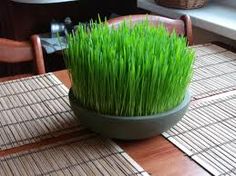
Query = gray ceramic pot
x=122 y=127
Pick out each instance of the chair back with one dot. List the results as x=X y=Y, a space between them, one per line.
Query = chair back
x=182 y=26
x=17 y=53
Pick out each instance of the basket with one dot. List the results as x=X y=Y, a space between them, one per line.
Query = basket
x=182 y=4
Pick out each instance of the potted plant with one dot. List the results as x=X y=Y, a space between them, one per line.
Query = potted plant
x=129 y=82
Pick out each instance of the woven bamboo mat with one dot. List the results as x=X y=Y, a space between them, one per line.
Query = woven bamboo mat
x=214 y=71
x=35 y=110
x=207 y=133
x=92 y=156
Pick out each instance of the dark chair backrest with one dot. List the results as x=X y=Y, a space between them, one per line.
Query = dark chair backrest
x=182 y=26
x=21 y=52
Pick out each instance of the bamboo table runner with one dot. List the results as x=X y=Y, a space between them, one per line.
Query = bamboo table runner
x=82 y=156
x=39 y=134
x=33 y=109
x=214 y=71
x=207 y=133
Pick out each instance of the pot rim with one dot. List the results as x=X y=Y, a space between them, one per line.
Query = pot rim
x=183 y=104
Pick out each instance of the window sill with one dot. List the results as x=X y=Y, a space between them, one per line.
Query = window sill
x=218 y=16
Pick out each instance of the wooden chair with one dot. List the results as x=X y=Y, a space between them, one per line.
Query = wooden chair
x=182 y=26
x=15 y=53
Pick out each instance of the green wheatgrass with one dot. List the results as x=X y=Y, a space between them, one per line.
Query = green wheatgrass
x=128 y=71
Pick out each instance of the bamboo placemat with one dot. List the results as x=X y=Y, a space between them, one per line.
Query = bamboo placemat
x=207 y=133
x=92 y=156
x=214 y=71
x=34 y=110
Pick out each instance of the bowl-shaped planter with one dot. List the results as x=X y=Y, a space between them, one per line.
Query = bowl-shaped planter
x=124 y=127
x=128 y=82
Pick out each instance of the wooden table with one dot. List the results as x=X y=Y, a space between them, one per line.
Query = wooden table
x=156 y=155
